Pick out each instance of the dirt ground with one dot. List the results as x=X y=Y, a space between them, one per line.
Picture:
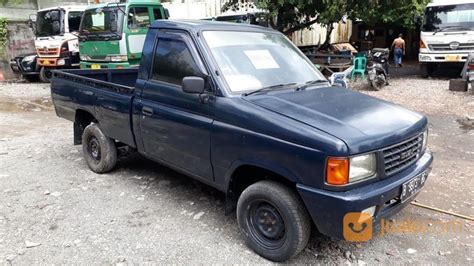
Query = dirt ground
x=53 y=209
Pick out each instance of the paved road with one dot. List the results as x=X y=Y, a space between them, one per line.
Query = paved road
x=54 y=210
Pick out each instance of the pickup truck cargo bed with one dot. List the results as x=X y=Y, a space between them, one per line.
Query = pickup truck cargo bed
x=105 y=94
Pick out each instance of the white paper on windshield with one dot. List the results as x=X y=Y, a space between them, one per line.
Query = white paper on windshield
x=261 y=59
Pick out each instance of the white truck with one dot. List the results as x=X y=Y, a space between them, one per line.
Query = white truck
x=56 y=42
x=447 y=34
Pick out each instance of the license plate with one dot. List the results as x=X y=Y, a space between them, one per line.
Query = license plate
x=45 y=62
x=453 y=58
x=413 y=186
x=95 y=66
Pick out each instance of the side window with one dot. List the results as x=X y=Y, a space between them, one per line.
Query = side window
x=74 y=20
x=173 y=61
x=157 y=13
x=138 y=17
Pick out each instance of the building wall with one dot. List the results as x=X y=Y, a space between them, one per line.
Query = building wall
x=316 y=35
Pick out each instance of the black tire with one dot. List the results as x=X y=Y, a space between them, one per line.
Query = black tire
x=273 y=205
x=45 y=74
x=31 y=78
x=426 y=70
x=99 y=150
x=379 y=82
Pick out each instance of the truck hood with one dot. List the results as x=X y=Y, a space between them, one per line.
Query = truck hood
x=363 y=122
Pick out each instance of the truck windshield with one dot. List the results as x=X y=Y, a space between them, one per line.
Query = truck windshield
x=449 y=18
x=102 y=23
x=49 y=22
x=256 y=60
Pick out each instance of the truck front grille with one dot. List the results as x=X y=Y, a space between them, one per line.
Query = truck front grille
x=48 y=51
x=402 y=155
x=446 y=47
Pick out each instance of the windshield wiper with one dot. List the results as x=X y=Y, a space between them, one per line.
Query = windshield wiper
x=450 y=27
x=309 y=83
x=269 y=88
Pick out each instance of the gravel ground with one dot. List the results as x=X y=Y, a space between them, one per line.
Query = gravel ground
x=53 y=209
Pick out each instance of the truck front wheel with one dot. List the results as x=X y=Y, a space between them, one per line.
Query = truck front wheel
x=426 y=70
x=99 y=150
x=45 y=74
x=273 y=220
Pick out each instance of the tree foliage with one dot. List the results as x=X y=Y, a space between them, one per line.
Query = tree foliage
x=395 y=12
x=289 y=16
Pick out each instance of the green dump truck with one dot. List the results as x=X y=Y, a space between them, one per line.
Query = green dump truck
x=111 y=35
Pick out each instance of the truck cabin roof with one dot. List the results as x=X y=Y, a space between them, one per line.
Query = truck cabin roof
x=202 y=25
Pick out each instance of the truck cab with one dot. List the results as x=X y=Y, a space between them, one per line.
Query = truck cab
x=447 y=35
x=56 y=42
x=112 y=34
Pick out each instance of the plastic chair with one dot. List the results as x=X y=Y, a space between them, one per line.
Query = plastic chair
x=339 y=78
x=359 y=67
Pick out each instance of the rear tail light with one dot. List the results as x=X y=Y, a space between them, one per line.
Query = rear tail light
x=471 y=66
x=422 y=45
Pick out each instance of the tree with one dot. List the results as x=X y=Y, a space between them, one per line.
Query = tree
x=289 y=16
x=394 y=12
x=286 y=16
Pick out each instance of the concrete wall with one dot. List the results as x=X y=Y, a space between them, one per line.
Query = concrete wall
x=18 y=10
x=20 y=42
x=20 y=39
x=52 y=3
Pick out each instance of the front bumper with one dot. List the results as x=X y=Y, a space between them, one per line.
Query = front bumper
x=56 y=62
x=442 y=57
x=102 y=65
x=328 y=208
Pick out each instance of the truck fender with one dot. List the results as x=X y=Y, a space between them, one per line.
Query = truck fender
x=264 y=165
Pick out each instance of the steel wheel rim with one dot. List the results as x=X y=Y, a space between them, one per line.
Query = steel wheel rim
x=266 y=225
x=93 y=147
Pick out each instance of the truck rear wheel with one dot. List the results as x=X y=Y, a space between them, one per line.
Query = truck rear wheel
x=45 y=74
x=99 y=150
x=273 y=220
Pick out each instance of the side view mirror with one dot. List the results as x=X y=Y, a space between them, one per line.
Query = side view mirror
x=194 y=85
x=32 y=18
x=167 y=13
x=32 y=22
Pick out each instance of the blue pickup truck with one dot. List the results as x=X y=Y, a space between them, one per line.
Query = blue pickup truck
x=240 y=108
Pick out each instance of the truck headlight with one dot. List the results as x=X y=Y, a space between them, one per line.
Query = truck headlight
x=118 y=58
x=425 y=141
x=84 y=58
x=61 y=62
x=425 y=58
x=361 y=167
x=342 y=171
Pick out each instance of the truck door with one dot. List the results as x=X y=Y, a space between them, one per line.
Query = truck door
x=138 y=21
x=175 y=126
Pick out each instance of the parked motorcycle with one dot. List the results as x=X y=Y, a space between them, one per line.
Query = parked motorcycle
x=377 y=68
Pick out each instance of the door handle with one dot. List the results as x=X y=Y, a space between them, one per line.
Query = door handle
x=147 y=111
